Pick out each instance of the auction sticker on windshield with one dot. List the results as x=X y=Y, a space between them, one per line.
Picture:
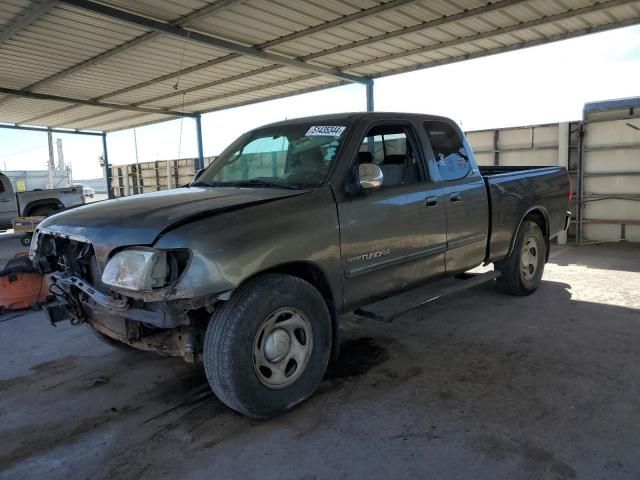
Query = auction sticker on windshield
x=325 y=131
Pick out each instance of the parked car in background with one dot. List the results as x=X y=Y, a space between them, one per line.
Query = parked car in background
x=88 y=191
x=36 y=203
x=248 y=269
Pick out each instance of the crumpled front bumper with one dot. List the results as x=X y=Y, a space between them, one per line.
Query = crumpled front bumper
x=77 y=301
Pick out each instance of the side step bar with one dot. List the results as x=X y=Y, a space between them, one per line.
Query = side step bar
x=389 y=309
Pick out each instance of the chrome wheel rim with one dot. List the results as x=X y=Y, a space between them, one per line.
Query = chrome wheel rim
x=529 y=258
x=282 y=347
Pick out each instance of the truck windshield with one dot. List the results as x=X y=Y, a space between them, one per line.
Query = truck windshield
x=286 y=156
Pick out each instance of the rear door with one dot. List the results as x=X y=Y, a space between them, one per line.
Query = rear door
x=392 y=237
x=8 y=207
x=466 y=202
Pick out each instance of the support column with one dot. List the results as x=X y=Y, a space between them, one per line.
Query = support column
x=51 y=165
x=107 y=169
x=198 y=119
x=563 y=161
x=369 y=87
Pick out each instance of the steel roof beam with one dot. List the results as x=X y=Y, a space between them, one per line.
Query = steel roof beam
x=178 y=31
x=45 y=129
x=185 y=20
x=26 y=18
x=244 y=91
x=318 y=28
x=91 y=103
x=489 y=7
x=425 y=25
x=201 y=14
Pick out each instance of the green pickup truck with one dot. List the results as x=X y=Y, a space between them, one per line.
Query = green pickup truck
x=295 y=223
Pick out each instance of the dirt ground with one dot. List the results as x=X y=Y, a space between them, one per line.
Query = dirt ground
x=479 y=385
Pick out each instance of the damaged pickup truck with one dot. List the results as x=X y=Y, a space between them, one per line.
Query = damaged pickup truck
x=248 y=269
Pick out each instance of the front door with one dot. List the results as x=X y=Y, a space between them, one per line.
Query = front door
x=392 y=237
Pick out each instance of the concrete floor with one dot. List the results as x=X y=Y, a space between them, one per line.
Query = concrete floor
x=480 y=386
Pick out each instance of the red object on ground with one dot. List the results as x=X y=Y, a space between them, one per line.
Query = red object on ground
x=22 y=286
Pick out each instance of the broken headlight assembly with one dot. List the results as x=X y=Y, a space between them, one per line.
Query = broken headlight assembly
x=145 y=269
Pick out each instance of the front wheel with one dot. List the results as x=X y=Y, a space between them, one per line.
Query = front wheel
x=266 y=350
x=522 y=269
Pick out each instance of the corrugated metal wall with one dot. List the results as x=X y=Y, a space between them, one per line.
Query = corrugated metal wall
x=611 y=166
x=602 y=153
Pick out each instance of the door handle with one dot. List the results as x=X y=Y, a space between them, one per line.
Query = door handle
x=4 y=200
x=431 y=201
x=455 y=197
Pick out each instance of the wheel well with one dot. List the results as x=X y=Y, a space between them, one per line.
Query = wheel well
x=310 y=273
x=40 y=204
x=538 y=217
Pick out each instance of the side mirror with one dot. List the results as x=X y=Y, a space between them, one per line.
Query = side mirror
x=369 y=176
x=197 y=175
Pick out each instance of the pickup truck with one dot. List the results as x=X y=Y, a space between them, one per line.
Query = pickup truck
x=249 y=267
x=37 y=203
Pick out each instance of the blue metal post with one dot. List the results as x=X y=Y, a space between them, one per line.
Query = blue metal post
x=369 y=87
x=198 y=118
x=107 y=170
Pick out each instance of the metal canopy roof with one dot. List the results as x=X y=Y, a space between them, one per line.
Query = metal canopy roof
x=117 y=64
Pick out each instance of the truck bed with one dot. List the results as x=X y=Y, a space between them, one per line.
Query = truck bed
x=515 y=191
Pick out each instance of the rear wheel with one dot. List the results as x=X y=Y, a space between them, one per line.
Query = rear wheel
x=267 y=348
x=522 y=270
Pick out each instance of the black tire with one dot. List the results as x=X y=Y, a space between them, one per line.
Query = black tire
x=112 y=342
x=236 y=330
x=519 y=279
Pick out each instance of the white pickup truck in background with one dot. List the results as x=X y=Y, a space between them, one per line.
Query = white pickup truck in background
x=39 y=203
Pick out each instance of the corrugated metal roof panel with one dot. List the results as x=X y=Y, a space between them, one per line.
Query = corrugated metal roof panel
x=73 y=52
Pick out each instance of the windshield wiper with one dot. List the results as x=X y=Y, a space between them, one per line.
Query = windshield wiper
x=261 y=182
x=209 y=184
x=254 y=182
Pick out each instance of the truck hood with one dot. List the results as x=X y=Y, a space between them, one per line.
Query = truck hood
x=140 y=219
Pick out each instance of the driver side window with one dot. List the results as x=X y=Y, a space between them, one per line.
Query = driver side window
x=388 y=146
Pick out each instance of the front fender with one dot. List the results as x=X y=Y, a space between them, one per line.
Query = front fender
x=231 y=247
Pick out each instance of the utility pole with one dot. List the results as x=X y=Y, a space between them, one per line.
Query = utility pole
x=60 y=155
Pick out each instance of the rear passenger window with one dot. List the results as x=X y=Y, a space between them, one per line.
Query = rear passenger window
x=388 y=147
x=451 y=157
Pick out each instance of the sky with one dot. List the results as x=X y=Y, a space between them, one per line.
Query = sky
x=544 y=84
